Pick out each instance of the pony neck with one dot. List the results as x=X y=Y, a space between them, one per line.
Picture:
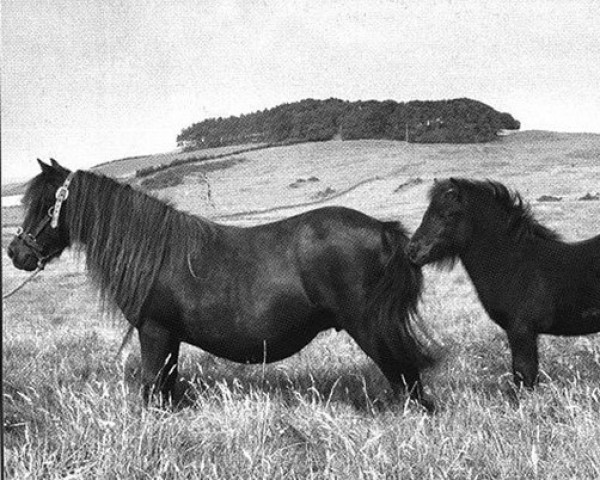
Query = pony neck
x=493 y=245
x=125 y=235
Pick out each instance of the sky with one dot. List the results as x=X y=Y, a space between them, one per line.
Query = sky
x=87 y=81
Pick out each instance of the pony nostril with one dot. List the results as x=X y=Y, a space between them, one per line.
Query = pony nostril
x=10 y=252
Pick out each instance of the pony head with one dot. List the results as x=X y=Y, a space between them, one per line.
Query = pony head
x=43 y=235
x=445 y=229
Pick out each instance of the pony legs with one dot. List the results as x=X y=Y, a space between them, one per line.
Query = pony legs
x=523 y=345
x=160 y=351
x=411 y=382
x=402 y=374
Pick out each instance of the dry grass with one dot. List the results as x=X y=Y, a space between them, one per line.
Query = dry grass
x=71 y=410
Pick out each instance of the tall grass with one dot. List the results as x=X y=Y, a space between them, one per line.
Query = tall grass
x=72 y=410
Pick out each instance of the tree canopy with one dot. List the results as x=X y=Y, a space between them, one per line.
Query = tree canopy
x=461 y=120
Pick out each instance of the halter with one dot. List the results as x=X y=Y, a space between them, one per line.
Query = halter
x=30 y=239
x=61 y=195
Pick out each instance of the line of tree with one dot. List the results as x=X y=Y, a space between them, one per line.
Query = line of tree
x=461 y=120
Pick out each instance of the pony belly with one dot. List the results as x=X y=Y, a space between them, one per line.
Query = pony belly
x=592 y=319
x=246 y=338
x=581 y=322
x=242 y=349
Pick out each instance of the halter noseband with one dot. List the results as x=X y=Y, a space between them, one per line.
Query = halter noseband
x=30 y=239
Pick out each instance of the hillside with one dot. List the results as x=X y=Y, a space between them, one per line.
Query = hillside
x=460 y=120
x=126 y=168
x=365 y=174
x=386 y=178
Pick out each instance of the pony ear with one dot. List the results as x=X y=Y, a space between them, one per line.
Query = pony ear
x=44 y=166
x=57 y=166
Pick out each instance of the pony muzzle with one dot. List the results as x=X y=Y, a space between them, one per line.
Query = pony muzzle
x=418 y=253
x=22 y=256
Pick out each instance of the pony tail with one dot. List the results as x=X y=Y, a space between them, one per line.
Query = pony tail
x=393 y=305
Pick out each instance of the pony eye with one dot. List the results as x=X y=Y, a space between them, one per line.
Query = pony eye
x=19 y=230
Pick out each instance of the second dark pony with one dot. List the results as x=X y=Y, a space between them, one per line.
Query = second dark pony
x=528 y=280
x=246 y=294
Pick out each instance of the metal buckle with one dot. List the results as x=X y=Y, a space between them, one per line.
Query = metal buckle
x=62 y=193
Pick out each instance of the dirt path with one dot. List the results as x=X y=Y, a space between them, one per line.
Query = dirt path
x=260 y=213
x=319 y=201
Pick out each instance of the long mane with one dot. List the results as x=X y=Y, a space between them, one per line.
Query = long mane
x=126 y=236
x=521 y=220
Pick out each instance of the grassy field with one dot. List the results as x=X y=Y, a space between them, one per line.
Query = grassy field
x=72 y=409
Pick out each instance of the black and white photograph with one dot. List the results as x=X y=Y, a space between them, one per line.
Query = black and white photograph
x=351 y=239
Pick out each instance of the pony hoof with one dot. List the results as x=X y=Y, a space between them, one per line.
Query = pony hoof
x=428 y=405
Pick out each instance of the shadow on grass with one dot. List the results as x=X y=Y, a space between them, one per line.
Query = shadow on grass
x=359 y=386
x=41 y=380
x=483 y=370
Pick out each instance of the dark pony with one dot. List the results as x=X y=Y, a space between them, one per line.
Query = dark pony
x=246 y=294
x=528 y=280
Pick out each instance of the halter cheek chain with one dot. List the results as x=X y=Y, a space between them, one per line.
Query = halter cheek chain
x=61 y=195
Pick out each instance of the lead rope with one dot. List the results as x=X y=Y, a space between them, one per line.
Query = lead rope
x=126 y=337
x=25 y=282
